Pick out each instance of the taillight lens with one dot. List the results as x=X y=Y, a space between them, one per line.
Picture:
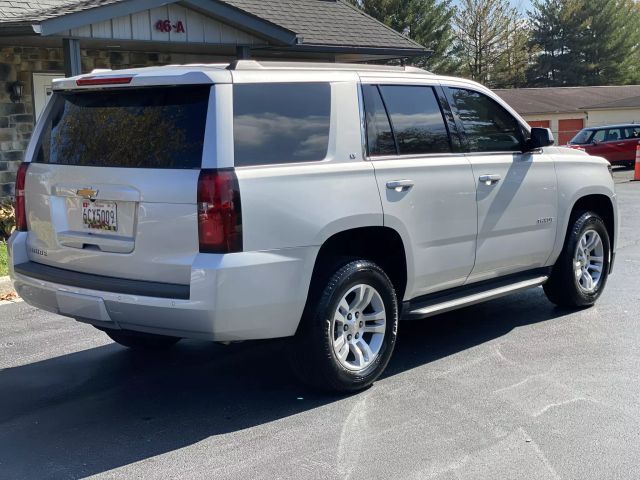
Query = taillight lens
x=219 y=212
x=21 y=213
x=90 y=81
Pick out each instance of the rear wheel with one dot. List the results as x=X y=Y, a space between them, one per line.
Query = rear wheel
x=140 y=340
x=348 y=330
x=580 y=273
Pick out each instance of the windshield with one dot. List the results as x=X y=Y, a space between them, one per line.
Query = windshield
x=140 y=128
x=581 y=137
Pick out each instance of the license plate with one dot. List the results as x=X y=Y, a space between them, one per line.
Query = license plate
x=100 y=216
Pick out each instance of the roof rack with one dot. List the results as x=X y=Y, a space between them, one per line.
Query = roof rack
x=255 y=65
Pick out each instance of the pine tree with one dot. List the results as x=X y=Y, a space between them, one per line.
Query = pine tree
x=427 y=22
x=584 y=42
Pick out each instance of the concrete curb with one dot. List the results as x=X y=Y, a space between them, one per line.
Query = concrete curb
x=5 y=285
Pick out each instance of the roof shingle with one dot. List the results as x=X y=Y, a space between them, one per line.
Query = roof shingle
x=326 y=22
x=317 y=22
x=529 y=101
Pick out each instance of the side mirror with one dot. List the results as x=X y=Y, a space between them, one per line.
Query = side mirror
x=595 y=142
x=540 y=137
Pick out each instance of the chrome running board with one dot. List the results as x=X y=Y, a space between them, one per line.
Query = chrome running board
x=448 y=303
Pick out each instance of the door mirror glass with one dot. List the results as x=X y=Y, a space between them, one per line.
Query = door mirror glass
x=540 y=137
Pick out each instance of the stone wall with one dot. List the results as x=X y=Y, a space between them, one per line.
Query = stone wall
x=19 y=63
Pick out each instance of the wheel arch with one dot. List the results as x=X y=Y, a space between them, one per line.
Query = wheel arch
x=379 y=244
x=600 y=204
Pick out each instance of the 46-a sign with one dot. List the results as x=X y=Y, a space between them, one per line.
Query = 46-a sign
x=166 y=26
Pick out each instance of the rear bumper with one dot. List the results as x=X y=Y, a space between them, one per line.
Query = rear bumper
x=243 y=296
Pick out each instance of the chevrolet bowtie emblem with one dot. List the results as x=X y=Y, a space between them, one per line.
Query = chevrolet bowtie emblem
x=87 y=193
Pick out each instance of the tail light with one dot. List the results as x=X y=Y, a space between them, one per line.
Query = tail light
x=219 y=212
x=90 y=81
x=21 y=214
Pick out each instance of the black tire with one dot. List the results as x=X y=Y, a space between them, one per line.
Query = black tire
x=140 y=340
x=311 y=352
x=562 y=288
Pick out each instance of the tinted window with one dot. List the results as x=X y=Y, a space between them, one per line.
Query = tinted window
x=612 y=135
x=582 y=137
x=379 y=135
x=599 y=136
x=417 y=121
x=631 y=133
x=281 y=122
x=487 y=125
x=144 y=128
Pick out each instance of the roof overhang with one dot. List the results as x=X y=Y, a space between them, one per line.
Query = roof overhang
x=345 y=49
x=279 y=39
x=213 y=8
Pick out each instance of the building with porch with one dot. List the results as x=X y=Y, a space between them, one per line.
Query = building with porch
x=44 y=39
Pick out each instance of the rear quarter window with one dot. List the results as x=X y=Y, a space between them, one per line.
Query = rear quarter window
x=158 y=127
x=281 y=122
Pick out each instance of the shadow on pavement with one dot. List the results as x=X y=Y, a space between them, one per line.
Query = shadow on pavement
x=95 y=410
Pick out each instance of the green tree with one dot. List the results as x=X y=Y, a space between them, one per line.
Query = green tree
x=490 y=42
x=584 y=42
x=510 y=70
x=427 y=22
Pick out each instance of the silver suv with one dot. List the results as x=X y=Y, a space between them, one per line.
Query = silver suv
x=319 y=202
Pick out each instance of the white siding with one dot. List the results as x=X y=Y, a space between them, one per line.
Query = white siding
x=140 y=26
x=608 y=117
x=198 y=28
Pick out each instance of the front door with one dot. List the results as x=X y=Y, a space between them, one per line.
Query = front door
x=427 y=190
x=516 y=191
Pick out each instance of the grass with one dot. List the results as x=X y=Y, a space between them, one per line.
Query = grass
x=4 y=265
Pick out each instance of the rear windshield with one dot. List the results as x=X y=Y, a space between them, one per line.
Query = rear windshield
x=136 y=128
x=582 y=137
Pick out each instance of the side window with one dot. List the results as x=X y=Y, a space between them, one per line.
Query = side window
x=379 y=134
x=487 y=125
x=632 y=133
x=417 y=120
x=281 y=122
x=599 y=136
x=613 y=135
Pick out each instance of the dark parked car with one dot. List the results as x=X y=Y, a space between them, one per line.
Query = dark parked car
x=616 y=143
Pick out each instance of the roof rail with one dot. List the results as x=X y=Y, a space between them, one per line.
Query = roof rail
x=255 y=65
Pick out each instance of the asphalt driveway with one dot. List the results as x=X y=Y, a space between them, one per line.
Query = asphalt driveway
x=514 y=388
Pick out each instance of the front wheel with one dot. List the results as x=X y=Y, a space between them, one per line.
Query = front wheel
x=348 y=329
x=580 y=273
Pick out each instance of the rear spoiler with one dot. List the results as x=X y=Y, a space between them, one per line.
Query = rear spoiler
x=142 y=78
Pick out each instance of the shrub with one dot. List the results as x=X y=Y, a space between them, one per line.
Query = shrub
x=7 y=219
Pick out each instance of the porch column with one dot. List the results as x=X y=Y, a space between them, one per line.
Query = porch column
x=71 y=53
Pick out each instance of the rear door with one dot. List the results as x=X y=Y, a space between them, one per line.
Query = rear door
x=631 y=137
x=516 y=190
x=426 y=186
x=111 y=189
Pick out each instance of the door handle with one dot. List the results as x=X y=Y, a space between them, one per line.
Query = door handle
x=489 y=179
x=620 y=145
x=400 y=185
